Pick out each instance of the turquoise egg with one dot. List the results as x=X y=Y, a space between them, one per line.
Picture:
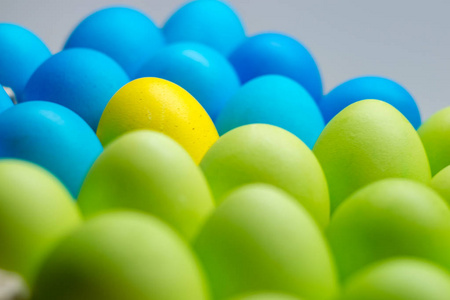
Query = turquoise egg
x=5 y=101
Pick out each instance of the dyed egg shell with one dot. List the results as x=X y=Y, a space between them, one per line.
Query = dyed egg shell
x=82 y=80
x=5 y=101
x=434 y=134
x=121 y=255
x=160 y=105
x=200 y=70
x=261 y=238
x=275 y=100
x=441 y=183
x=273 y=53
x=368 y=141
x=370 y=87
x=212 y=23
x=148 y=171
x=35 y=212
x=265 y=296
x=399 y=279
x=51 y=136
x=389 y=218
x=125 y=34
x=21 y=53
x=267 y=154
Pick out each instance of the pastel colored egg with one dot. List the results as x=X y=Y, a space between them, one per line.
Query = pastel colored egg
x=82 y=80
x=21 y=53
x=441 y=183
x=265 y=296
x=399 y=279
x=51 y=136
x=262 y=238
x=5 y=101
x=125 y=34
x=267 y=154
x=368 y=141
x=370 y=87
x=148 y=171
x=158 y=104
x=274 y=53
x=390 y=218
x=200 y=70
x=434 y=134
x=121 y=255
x=208 y=22
x=275 y=100
x=35 y=212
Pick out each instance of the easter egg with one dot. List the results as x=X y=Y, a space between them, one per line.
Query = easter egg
x=158 y=104
x=121 y=255
x=51 y=136
x=399 y=279
x=265 y=296
x=267 y=154
x=261 y=238
x=148 y=171
x=35 y=212
x=275 y=100
x=434 y=134
x=21 y=53
x=200 y=70
x=368 y=141
x=82 y=80
x=125 y=34
x=5 y=101
x=370 y=87
x=441 y=183
x=212 y=23
x=274 y=53
x=389 y=218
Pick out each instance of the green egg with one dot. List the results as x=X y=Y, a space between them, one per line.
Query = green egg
x=261 y=238
x=265 y=296
x=435 y=134
x=148 y=171
x=441 y=183
x=392 y=217
x=121 y=255
x=368 y=141
x=399 y=279
x=35 y=212
x=267 y=154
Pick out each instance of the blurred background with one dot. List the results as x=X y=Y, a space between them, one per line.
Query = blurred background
x=407 y=41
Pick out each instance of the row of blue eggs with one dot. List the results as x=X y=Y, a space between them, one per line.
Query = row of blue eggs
x=268 y=78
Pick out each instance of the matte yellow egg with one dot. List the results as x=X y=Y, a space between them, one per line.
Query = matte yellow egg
x=158 y=104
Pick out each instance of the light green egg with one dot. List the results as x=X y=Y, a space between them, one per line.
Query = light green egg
x=36 y=210
x=441 y=183
x=265 y=296
x=435 y=134
x=267 y=154
x=399 y=279
x=368 y=141
x=392 y=217
x=121 y=255
x=261 y=238
x=148 y=171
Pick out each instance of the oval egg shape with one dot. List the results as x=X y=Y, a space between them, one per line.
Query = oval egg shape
x=5 y=101
x=368 y=141
x=158 y=104
x=441 y=183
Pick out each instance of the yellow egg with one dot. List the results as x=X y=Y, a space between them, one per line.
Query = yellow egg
x=158 y=104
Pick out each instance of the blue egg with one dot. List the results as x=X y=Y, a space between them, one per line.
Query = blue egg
x=202 y=71
x=5 y=101
x=125 y=34
x=81 y=79
x=21 y=52
x=273 y=53
x=275 y=100
x=209 y=22
x=370 y=87
x=51 y=136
